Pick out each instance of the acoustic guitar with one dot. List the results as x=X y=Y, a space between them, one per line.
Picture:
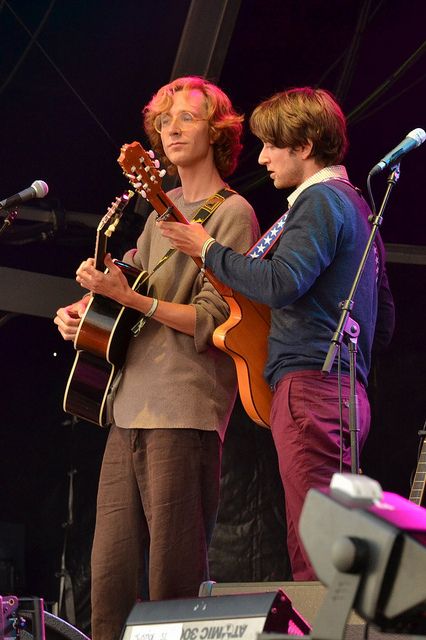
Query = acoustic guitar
x=104 y=332
x=244 y=335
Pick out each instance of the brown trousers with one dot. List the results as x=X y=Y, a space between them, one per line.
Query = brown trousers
x=157 y=504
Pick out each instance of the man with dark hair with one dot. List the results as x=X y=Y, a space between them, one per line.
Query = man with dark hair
x=310 y=272
x=159 y=484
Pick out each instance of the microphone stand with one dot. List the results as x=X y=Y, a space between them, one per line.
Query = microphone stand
x=348 y=329
x=7 y=222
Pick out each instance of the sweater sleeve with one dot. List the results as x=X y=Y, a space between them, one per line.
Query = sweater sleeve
x=235 y=225
x=307 y=246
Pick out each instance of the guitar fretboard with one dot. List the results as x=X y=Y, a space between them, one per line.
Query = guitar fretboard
x=417 y=493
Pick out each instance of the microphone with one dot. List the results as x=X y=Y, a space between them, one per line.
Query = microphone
x=414 y=139
x=38 y=189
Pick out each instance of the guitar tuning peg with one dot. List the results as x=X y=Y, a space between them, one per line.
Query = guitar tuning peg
x=157 y=164
x=143 y=193
x=162 y=173
x=151 y=154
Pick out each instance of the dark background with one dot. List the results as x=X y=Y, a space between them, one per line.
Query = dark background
x=73 y=79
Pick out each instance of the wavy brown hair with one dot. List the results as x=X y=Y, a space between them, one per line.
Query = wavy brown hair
x=292 y=118
x=225 y=125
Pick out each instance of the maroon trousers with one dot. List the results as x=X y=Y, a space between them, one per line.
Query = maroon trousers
x=306 y=432
x=157 y=504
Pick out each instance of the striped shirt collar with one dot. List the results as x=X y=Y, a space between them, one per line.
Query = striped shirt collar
x=327 y=173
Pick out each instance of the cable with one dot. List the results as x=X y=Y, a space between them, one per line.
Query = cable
x=339 y=393
x=370 y=195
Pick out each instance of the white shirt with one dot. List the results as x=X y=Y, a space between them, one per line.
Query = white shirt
x=327 y=173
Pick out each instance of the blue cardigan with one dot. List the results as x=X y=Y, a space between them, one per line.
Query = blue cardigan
x=309 y=273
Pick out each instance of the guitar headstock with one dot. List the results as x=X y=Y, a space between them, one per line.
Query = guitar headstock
x=114 y=213
x=142 y=169
x=108 y=225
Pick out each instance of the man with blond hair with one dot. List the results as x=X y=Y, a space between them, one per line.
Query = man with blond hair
x=312 y=267
x=159 y=484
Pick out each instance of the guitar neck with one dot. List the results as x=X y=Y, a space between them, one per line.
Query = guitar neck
x=139 y=167
x=100 y=251
x=164 y=206
x=417 y=492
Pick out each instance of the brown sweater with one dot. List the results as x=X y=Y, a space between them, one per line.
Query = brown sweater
x=170 y=379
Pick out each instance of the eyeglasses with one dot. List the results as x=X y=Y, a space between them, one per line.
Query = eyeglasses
x=185 y=119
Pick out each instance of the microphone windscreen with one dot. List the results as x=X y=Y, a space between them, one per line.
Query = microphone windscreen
x=41 y=188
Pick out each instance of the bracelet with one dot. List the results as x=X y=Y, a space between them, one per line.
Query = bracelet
x=142 y=320
x=206 y=246
x=152 y=309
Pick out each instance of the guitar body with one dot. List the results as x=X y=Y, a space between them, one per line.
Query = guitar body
x=101 y=343
x=87 y=388
x=244 y=337
x=105 y=328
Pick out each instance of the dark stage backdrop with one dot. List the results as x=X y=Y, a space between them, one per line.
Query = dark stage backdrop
x=73 y=78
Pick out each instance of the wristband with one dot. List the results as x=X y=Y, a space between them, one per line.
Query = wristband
x=206 y=246
x=141 y=322
x=152 y=309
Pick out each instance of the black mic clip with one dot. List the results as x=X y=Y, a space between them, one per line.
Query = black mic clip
x=7 y=222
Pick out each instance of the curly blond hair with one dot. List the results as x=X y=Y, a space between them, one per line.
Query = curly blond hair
x=225 y=125
x=291 y=118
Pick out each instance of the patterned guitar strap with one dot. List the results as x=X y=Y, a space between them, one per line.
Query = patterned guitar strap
x=201 y=216
x=263 y=246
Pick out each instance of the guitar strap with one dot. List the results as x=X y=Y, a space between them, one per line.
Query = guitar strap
x=262 y=247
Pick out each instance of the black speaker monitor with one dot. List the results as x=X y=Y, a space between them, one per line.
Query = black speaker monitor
x=371 y=549
x=232 y=617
